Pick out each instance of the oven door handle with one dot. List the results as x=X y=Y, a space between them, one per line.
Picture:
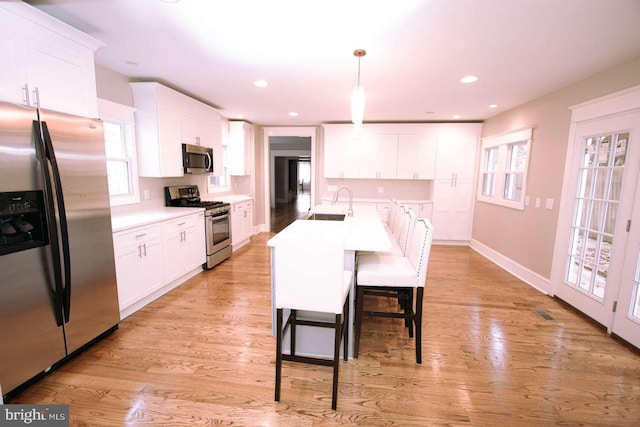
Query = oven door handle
x=218 y=217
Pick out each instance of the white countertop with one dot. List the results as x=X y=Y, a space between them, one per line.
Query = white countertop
x=363 y=231
x=131 y=220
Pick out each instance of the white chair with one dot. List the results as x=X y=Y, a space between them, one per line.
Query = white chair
x=377 y=274
x=309 y=275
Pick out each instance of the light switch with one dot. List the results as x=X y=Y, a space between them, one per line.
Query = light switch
x=548 y=204
x=526 y=200
x=537 y=202
x=146 y=194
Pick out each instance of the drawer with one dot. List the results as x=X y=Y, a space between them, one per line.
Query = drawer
x=139 y=234
x=181 y=223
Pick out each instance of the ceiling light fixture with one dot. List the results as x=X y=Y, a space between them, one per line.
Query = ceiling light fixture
x=469 y=79
x=493 y=106
x=357 y=97
x=293 y=114
x=261 y=83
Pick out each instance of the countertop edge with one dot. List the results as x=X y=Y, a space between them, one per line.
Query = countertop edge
x=151 y=216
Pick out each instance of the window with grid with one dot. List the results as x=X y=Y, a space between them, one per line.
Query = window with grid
x=120 y=151
x=504 y=169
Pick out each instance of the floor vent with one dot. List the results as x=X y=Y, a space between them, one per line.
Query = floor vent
x=540 y=312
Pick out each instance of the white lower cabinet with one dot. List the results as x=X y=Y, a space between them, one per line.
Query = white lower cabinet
x=151 y=259
x=138 y=258
x=184 y=245
x=422 y=210
x=241 y=223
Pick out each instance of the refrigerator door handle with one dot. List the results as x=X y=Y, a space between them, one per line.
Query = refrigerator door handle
x=41 y=154
x=64 y=232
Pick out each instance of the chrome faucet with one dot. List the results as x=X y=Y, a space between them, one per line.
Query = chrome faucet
x=335 y=199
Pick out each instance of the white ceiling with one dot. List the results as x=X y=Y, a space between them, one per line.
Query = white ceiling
x=417 y=52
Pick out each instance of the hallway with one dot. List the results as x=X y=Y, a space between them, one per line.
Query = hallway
x=285 y=213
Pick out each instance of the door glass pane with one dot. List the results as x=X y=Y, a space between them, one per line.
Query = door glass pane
x=634 y=310
x=596 y=206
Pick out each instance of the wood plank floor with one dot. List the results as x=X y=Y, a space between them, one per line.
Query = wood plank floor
x=204 y=355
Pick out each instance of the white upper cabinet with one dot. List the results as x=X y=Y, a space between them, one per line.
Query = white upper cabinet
x=166 y=119
x=417 y=155
x=240 y=148
x=46 y=61
x=384 y=151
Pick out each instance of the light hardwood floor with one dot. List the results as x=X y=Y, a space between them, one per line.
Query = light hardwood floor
x=204 y=355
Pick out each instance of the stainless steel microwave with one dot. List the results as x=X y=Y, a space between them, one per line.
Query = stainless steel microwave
x=197 y=159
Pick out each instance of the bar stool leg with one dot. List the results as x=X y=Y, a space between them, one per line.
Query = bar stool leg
x=358 y=325
x=278 y=353
x=336 y=360
x=418 y=322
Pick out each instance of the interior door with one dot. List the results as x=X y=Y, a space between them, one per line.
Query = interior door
x=604 y=175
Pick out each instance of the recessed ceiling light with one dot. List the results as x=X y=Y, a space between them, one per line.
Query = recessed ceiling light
x=293 y=114
x=493 y=106
x=261 y=83
x=239 y=116
x=457 y=116
x=170 y=1
x=469 y=79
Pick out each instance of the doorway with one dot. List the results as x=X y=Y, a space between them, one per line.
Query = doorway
x=597 y=262
x=289 y=175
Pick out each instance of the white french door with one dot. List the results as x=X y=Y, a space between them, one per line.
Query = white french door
x=598 y=271
x=626 y=322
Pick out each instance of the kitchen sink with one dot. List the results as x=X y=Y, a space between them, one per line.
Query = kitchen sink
x=326 y=217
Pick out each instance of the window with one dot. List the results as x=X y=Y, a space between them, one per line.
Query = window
x=504 y=169
x=122 y=172
x=220 y=183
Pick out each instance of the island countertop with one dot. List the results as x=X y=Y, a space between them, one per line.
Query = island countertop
x=363 y=231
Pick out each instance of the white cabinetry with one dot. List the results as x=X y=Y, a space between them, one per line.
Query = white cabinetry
x=384 y=151
x=416 y=156
x=241 y=223
x=165 y=119
x=453 y=187
x=138 y=259
x=41 y=54
x=152 y=259
x=422 y=210
x=184 y=245
x=240 y=148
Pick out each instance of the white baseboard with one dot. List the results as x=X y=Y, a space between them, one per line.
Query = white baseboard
x=531 y=278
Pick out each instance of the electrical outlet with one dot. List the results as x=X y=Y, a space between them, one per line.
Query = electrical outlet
x=380 y=190
x=537 y=202
x=548 y=204
x=146 y=194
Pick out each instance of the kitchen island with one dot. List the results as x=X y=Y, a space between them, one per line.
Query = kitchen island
x=364 y=231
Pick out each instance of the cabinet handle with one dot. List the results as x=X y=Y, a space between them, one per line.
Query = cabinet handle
x=182 y=223
x=25 y=95
x=144 y=246
x=36 y=93
x=139 y=251
x=140 y=235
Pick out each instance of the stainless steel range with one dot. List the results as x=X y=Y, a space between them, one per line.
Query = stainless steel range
x=216 y=217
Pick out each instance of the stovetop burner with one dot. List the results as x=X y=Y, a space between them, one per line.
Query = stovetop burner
x=188 y=196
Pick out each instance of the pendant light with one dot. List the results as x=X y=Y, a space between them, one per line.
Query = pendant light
x=357 y=98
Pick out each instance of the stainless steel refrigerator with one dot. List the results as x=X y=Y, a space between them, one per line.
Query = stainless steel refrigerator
x=57 y=276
